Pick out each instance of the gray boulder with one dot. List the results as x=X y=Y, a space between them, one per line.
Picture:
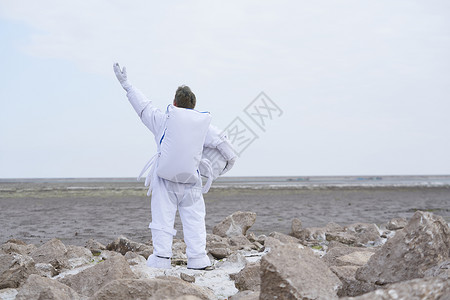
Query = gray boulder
x=296 y=227
x=442 y=270
x=396 y=224
x=37 y=288
x=339 y=256
x=284 y=238
x=123 y=245
x=317 y=235
x=245 y=295
x=53 y=252
x=155 y=288
x=217 y=246
x=94 y=246
x=290 y=272
x=350 y=285
x=90 y=280
x=359 y=234
x=248 y=278
x=77 y=256
x=432 y=288
x=236 y=224
x=17 y=246
x=15 y=269
x=421 y=245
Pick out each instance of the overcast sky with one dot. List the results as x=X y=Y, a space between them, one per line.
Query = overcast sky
x=360 y=87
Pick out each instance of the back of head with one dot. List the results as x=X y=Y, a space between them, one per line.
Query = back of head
x=184 y=97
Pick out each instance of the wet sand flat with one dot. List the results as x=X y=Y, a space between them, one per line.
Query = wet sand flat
x=78 y=214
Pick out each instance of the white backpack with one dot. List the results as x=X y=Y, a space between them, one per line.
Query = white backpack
x=181 y=144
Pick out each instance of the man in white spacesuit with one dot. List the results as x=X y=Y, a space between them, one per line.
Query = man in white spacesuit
x=177 y=191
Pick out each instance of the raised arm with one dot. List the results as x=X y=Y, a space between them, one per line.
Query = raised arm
x=151 y=116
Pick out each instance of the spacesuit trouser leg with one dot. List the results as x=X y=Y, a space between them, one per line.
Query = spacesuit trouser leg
x=164 y=208
x=192 y=214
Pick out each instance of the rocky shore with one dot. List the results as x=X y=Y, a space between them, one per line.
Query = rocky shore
x=402 y=259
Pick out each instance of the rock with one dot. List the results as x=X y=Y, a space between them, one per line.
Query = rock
x=357 y=258
x=235 y=260
x=37 y=287
x=284 y=238
x=251 y=237
x=217 y=246
x=421 y=245
x=241 y=242
x=220 y=253
x=46 y=270
x=339 y=256
x=134 y=258
x=187 y=278
x=359 y=234
x=123 y=245
x=296 y=227
x=53 y=252
x=236 y=224
x=88 y=281
x=316 y=235
x=15 y=269
x=8 y=294
x=17 y=246
x=442 y=270
x=248 y=278
x=396 y=224
x=95 y=247
x=289 y=272
x=155 y=288
x=350 y=285
x=271 y=242
x=431 y=288
x=78 y=256
x=245 y=295
x=261 y=239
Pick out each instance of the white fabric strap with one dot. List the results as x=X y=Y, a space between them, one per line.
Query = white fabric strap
x=209 y=170
x=151 y=163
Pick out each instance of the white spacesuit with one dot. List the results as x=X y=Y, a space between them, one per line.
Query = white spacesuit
x=170 y=195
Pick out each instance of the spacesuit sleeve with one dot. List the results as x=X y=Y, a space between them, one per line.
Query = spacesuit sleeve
x=216 y=138
x=151 y=116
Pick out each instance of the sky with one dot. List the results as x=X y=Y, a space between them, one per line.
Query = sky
x=349 y=87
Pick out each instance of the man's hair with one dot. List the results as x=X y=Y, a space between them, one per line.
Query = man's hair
x=184 y=97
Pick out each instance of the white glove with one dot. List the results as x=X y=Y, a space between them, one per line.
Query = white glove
x=230 y=164
x=122 y=76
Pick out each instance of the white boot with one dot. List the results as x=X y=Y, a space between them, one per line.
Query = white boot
x=198 y=263
x=154 y=261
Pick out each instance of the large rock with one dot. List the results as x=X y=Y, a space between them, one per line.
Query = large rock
x=37 y=288
x=123 y=245
x=396 y=224
x=284 y=238
x=248 y=278
x=343 y=256
x=289 y=272
x=78 y=256
x=15 y=269
x=433 y=288
x=316 y=235
x=350 y=285
x=236 y=224
x=88 y=281
x=53 y=252
x=94 y=246
x=245 y=295
x=155 y=288
x=422 y=244
x=17 y=246
x=359 y=234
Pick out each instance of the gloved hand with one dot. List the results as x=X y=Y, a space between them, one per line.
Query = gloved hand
x=230 y=164
x=122 y=76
